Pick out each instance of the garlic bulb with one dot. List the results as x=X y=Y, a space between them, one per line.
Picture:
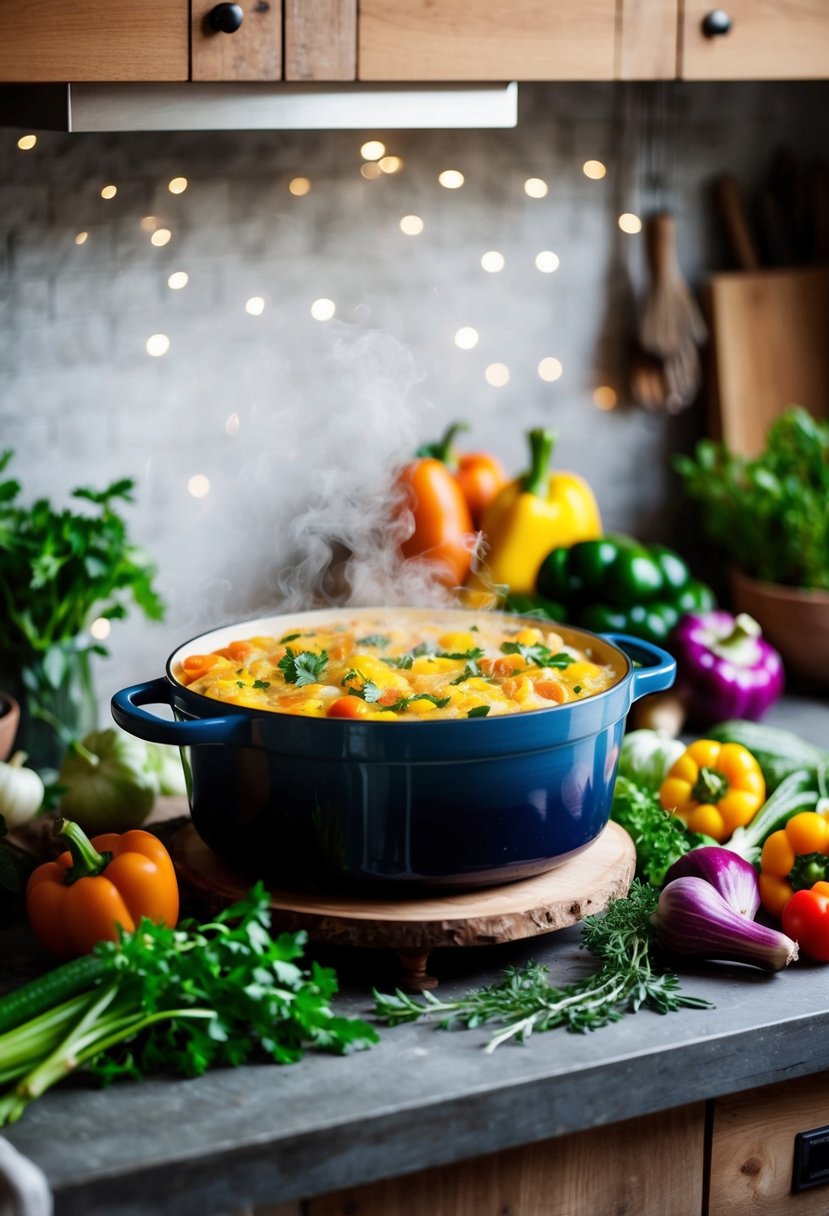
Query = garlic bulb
x=21 y=791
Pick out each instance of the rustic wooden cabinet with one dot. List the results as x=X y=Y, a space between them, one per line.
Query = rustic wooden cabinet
x=412 y=40
x=63 y=40
x=754 y=40
x=486 y=40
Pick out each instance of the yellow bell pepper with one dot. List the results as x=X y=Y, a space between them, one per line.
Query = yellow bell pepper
x=533 y=515
x=714 y=788
x=794 y=859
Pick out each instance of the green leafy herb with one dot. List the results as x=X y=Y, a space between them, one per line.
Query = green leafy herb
x=372 y=693
x=469 y=672
x=183 y=1000
x=60 y=569
x=303 y=668
x=240 y=683
x=474 y=653
x=660 y=837
x=524 y=1001
x=539 y=654
x=769 y=515
x=379 y=640
x=401 y=661
x=261 y=684
x=480 y=711
x=290 y=637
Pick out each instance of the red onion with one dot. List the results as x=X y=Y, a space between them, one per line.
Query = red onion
x=692 y=918
x=730 y=875
x=724 y=667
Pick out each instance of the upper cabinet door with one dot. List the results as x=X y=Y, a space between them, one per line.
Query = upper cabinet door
x=320 y=39
x=486 y=39
x=69 y=40
x=755 y=40
x=236 y=41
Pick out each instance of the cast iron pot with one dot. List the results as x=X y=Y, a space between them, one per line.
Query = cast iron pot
x=446 y=803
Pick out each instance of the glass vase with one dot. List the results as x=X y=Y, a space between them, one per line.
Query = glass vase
x=56 y=693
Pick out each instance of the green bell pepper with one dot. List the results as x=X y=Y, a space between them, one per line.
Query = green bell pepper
x=616 y=584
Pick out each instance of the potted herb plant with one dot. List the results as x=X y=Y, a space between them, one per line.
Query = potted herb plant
x=770 y=517
x=60 y=570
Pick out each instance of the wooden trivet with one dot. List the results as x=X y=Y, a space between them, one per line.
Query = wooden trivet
x=413 y=927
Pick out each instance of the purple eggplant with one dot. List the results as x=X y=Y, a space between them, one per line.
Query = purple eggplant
x=725 y=668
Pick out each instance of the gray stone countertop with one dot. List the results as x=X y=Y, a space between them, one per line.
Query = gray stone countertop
x=422 y=1097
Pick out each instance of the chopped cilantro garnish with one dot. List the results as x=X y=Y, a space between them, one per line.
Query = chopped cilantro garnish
x=539 y=654
x=290 y=637
x=240 y=683
x=372 y=694
x=480 y=711
x=577 y=688
x=475 y=652
x=303 y=668
x=401 y=661
x=470 y=670
x=380 y=640
x=261 y=684
x=474 y=629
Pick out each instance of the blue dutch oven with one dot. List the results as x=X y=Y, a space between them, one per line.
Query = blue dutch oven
x=446 y=803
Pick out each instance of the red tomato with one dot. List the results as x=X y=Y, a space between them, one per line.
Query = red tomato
x=806 y=919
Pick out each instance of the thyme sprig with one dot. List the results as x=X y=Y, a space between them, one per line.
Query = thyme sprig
x=524 y=1002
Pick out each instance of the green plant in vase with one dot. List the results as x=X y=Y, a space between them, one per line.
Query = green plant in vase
x=59 y=571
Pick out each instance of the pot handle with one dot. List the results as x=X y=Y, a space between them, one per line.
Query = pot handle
x=658 y=670
x=125 y=710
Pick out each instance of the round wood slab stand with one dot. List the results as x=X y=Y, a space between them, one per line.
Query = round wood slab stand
x=413 y=927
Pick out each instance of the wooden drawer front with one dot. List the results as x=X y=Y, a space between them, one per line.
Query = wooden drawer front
x=641 y=1167
x=66 y=40
x=769 y=39
x=320 y=39
x=253 y=52
x=486 y=40
x=753 y=1149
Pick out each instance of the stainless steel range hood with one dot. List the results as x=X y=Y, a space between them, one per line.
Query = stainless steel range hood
x=239 y=107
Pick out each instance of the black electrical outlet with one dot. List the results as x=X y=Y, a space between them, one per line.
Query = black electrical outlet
x=811 y=1159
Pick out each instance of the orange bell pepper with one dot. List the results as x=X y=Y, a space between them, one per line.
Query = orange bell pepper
x=714 y=788
x=443 y=529
x=79 y=899
x=793 y=859
x=480 y=475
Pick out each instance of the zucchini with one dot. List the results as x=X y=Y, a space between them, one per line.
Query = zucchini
x=797 y=792
x=779 y=752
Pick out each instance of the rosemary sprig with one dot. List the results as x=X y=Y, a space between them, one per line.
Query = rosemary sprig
x=524 y=1002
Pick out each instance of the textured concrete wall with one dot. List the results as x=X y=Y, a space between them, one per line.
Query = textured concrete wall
x=294 y=419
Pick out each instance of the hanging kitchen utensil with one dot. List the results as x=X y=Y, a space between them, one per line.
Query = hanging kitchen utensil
x=671 y=326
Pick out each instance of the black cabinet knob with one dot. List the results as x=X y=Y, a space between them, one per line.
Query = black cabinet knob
x=226 y=18
x=714 y=24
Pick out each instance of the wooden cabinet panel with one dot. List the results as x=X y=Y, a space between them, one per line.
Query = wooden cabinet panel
x=768 y=39
x=320 y=40
x=486 y=40
x=643 y=1166
x=86 y=40
x=648 y=35
x=252 y=52
x=753 y=1149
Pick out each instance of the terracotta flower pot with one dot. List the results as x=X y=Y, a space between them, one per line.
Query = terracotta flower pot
x=794 y=621
x=9 y=721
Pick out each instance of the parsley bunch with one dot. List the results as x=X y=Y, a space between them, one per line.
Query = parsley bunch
x=659 y=837
x=59 y=569
x=183 y=1000
x=524 y=1001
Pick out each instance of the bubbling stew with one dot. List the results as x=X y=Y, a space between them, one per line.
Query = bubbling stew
x=386 y=669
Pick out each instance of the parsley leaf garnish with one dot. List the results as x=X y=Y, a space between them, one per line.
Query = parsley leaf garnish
x=303 y=668
x=480 y=711
x=371 y=693
x=470 y=670
x=380 y=640
x=474 y=652
x=290 y=637
x=401 y=661
x=539 y=654
x=261 y=684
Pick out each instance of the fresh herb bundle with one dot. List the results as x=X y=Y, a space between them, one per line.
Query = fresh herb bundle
x=524 y=1002
x=770 y=515
x=183 y=1000
x=659 y=837
x=58 y=569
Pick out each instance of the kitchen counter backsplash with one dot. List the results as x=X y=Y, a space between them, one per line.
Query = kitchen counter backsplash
x=256 y=326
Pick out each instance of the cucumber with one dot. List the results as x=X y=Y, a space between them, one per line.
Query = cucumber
x=795 y=793
x=779 y=752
